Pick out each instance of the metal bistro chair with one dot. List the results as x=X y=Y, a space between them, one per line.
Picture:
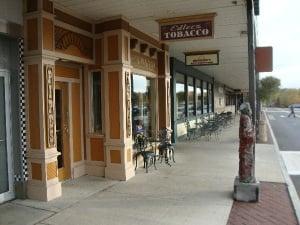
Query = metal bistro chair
x=190 y=131
x=142 y=145
x=165 y=147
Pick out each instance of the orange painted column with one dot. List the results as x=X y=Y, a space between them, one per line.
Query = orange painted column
x=164 y=90
x=39 y=61
x=117 y=82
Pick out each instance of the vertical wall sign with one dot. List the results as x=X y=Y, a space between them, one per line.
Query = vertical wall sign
x=49 y=104
x=187 y=27
x=128 y=103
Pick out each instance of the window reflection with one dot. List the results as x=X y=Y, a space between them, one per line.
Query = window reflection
x=210 y=97
x=142 y=98
x=198 y=97
x=191 y=94
x=205 y=100
x=180 y=97
x=96 y=102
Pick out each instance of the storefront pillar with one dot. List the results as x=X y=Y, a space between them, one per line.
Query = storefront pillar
x=164 y=90
x=39 y=61
x=117 y=82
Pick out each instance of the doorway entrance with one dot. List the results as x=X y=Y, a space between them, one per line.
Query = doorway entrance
x=62 y=129
x=6 y=168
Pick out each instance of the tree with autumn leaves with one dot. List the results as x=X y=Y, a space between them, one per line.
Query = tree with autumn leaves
x=271 y=95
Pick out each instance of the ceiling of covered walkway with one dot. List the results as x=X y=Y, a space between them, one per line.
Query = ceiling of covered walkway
x=230 y=29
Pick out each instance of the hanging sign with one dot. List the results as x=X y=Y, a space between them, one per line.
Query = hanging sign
x=202 y=58
x=264 y=59
x=187 y=27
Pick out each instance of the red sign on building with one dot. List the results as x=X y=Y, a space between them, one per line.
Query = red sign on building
x=264 y=59
x=200 y=26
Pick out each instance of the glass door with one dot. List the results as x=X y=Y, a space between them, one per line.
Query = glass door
x=6 y=171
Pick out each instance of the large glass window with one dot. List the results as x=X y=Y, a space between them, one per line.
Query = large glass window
x=230 y=99
x=96 y=117
x=198 y=97
x=180 y=96
x=191 y=96
x=210 y=98
x=142 y=105
x=205 y=99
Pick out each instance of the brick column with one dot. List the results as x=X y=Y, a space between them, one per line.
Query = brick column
x=39 y=60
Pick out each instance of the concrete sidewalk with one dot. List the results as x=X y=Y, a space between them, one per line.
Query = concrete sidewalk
x=196 y=190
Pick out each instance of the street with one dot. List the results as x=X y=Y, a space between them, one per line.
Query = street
x=287 y=132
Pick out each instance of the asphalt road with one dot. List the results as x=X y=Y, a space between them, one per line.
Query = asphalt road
x=286 y=129
x=287 y=133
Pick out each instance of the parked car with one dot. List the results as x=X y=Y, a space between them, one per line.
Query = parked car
x=296 y=106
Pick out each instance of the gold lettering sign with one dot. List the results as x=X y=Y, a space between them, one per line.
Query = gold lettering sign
x=202 y=58
x=49 y=105
x=64 y=39
x=128 y=103
x=143 y=62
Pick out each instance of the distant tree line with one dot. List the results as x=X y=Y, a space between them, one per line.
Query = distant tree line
x=271 y=95
x=286 y=97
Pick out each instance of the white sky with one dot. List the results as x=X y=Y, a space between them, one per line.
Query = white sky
x=279 y=26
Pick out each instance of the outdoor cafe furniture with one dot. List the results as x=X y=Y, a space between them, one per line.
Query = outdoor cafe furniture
x=165 y=147
x=143 y=148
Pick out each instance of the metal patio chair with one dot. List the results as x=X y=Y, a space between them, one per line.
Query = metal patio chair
x=165 y=147
x=142 y=146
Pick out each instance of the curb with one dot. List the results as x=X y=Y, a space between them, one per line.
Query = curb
x=291 y=188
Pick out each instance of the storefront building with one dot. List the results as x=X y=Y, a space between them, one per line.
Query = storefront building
x=192 y=96
x=87 y=79
x=227 y=99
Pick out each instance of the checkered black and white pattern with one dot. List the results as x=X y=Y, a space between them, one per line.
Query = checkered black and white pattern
x=24 y=175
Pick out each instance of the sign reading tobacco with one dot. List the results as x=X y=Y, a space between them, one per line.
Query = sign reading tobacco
x=180 y=28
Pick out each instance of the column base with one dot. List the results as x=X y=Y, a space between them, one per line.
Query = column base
x=246 y=192
x=119 y=173
x=78 y=170
x=94 y=169
x=20 y=189
x=43 y=192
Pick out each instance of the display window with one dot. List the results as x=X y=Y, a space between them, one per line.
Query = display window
x=143 y=105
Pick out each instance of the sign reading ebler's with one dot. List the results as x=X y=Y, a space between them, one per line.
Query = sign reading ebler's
x=200 y=26
x=203 y=58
